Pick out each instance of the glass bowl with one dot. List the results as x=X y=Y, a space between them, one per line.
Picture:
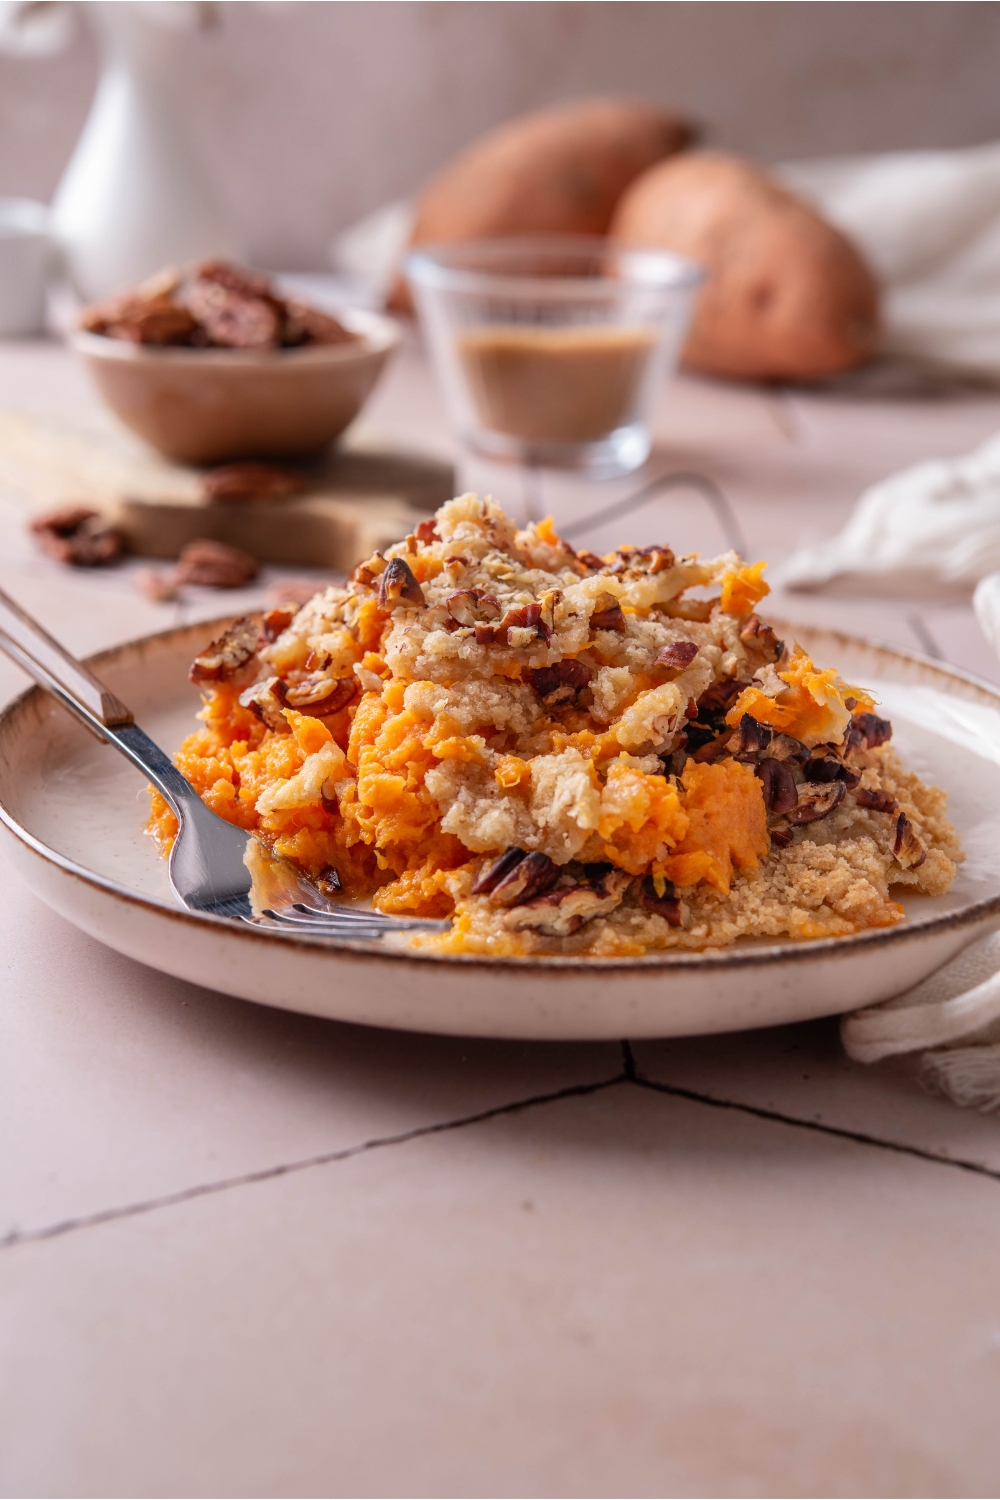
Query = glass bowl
x=550 y=349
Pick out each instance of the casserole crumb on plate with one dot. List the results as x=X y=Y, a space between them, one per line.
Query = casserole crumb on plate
x=566 y=753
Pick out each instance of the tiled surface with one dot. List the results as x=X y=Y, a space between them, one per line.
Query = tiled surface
x=250 y=1252
x=801 y=1074
x=119 y=1084
x=617 y=1294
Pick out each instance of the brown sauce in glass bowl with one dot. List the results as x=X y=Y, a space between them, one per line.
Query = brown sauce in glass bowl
x=556 y=385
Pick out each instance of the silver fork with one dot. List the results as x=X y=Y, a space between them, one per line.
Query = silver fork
x=206 y=868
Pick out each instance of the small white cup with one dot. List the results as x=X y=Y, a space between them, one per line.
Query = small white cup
x=26 y=259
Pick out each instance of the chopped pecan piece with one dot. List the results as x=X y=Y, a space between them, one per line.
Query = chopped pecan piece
x=320 y=696
x=77 y=535
x=666 y=906
x=676 y=657
x=784 y=747
x=761 y=639
x=397 y=585
x=591 y=561
x=275 y=621
x=531 y=876
x=427 y=531
x=227 y=656
x=467 y=606
x=267 y=699
x=486 y=635
x=825 y=767
x=562 y=911
x=368 y=573
x=876 y=801
x=461 y=605
x=781 y=834
x=560 y=682
x=873 y=730
x=607 y=614
x=641 y=560
x=251 y=481
x=781 y=795
x=907 y=848
x=495 y=870
x=716 y=701
x=327 y=882
x=712 y=749
x=750 y=739
x=815 y=800
x=215 y=565
x=521 y=617
x=546 y=620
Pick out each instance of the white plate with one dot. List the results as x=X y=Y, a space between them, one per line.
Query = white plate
x=72 y=814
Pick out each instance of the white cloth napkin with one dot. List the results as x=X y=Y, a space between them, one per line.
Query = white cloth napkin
x=935 y=526
x=952 y=1018
x=929 y=224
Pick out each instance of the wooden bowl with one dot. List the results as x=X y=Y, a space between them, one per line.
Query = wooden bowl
x=208 y=406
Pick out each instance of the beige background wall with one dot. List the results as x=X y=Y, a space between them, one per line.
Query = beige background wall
x=312 y=114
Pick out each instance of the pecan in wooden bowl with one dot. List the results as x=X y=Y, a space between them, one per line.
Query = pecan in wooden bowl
x=213 y=364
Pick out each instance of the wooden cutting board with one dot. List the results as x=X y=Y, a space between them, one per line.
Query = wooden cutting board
x=359 y=498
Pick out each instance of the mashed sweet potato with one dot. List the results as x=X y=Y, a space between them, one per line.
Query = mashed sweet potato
x=564 y=753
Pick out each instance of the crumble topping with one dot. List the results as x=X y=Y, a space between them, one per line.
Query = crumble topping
x=566 y=753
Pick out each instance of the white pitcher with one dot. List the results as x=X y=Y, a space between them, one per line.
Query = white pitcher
x=134 y=196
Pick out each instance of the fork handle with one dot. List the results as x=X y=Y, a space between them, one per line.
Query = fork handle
x=50 y=664
x=93 y=704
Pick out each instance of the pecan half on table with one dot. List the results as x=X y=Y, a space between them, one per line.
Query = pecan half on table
x=215 y=565
x=251 y=481
x=77 y=535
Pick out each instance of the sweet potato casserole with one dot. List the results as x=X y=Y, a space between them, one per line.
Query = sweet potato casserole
x=568 y=754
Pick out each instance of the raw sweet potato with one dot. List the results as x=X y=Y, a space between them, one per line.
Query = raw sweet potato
x=787 y=295
x=558 y=171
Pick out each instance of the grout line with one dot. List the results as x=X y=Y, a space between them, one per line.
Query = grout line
x=859 y=1137
x=574 y=1091
x=265 y=1174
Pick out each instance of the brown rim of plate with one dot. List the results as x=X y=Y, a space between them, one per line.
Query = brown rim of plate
x=728 y=958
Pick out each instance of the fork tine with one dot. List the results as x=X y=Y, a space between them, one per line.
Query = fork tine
x=368 y=918
x=330 y=924
x=352 y=930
